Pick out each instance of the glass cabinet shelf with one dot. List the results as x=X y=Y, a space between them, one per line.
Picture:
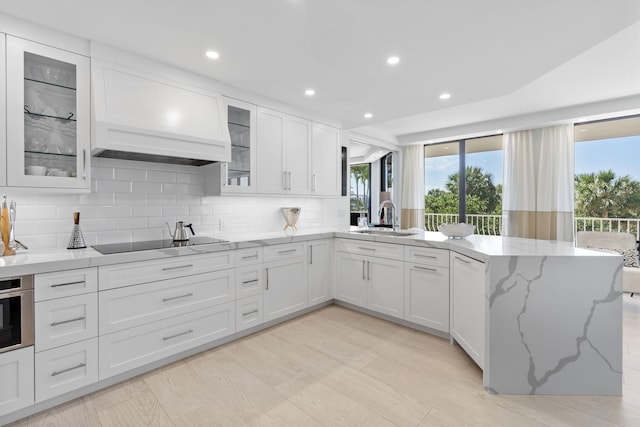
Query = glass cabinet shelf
x=49 y=83
x=45 y=153
x=35 y=116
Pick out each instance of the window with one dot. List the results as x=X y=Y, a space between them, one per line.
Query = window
x=607 y=180
x=386 y=172
x=360 y=191
x=481 y=168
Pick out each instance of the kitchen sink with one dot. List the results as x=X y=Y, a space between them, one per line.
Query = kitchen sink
x=386 y=232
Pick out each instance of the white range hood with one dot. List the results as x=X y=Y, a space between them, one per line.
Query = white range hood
x=138 y=115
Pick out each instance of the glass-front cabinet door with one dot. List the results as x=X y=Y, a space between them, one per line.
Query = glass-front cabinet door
x=48 y=116
x=239 y=174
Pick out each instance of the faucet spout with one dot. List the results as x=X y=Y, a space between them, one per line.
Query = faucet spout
x=394 y=212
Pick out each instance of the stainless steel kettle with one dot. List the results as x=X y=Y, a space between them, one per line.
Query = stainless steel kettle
x=181 y=234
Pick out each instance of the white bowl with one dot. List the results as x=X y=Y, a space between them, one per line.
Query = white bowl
x=459 y=230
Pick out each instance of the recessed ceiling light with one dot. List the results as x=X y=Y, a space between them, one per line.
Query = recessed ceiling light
x=445 y=95
x=309 y=92
x=212 y=54
x=393 y=60
x=368 y=115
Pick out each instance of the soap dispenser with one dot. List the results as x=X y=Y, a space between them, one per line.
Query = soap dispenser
x=5 y=228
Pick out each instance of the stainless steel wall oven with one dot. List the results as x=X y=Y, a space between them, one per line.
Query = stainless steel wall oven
x=16 y=312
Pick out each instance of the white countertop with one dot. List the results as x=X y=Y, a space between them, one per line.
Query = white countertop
x=478 y=247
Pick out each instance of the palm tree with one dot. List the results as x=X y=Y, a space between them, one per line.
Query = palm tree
x=361 y=173
x=604 y=195
x=478 y=183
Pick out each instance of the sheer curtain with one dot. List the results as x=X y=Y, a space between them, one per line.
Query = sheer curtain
x=412 y=201
x=538 y=183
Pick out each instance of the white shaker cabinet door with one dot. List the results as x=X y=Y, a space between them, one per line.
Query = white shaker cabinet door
x=325 y=160
x=16 y=384
x=297 y=154
x=386 y=286
x=351 y=279
x=285 y=289
x=271 y=175
x=320 y=270
x=468 y=305
x=426 y=295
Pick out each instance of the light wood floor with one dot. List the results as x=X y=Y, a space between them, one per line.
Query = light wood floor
x=338 y=367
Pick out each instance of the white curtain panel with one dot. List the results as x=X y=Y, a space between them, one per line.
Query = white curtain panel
x=412 y=197
x=538 y=183
x=555 y=183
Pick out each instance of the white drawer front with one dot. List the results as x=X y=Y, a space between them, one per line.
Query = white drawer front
x=116 y=276
x=65 y=283
x=135 y=347
x=249 y=280
x=136 y=305
x=66 y=320
x=66 y=368
x=382 y=250
x=248 y=312
x=431 y=256
x=287 y=251
x=248 y=256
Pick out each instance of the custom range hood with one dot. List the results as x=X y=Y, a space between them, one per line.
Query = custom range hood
x=142 y=116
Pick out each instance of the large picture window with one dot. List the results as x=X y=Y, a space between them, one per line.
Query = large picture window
x=463 y=183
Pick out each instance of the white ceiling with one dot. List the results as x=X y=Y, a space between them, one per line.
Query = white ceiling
x=482 y=52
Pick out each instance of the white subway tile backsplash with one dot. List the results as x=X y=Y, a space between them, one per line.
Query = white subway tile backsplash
x=132 y=201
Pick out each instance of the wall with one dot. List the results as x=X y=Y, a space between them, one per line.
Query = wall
x=130 y=201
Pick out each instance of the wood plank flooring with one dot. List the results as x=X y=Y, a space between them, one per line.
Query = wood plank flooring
x=338 y=367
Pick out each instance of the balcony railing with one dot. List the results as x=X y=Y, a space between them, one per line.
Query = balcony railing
x=492 y=224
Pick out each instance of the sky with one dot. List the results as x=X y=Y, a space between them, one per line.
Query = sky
x=622 y=155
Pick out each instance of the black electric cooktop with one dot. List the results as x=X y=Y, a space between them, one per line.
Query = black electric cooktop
x=118 y=248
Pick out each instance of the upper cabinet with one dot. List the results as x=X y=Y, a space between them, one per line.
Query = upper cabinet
x=48 y=116
x=296 y=155
x=238 y=175
x=3 y=113
x=325 y=160
x=143 y=116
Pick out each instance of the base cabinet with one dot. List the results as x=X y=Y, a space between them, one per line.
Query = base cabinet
x=285 y=288
x=249 y=312
x=468 y=304
x=426 y=295
x=16 y=380
x=351 y=279
x=320 y=270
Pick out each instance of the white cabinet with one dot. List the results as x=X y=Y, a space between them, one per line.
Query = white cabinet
x=48 y=116
x=351 y=277
x=371 y=281
x=65 y=320
x=468 y=305
x=320 y=270
x=285 y=279
x=426 y=295
x=238 y=175
x=66 y=368
x=67 y=283
x=3 y=111
x=16 y=380
x=325 y=160
x=249 y=312
x=135 y=347
x=283 y=151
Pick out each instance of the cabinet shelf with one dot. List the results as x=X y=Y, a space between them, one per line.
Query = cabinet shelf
x=44 y=153
x=240 y=147
x=239 y=170
x=34 y=115
x=239 y=125
x=50 y=84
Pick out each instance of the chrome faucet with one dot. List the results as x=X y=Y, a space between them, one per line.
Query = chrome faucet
x=394 y=226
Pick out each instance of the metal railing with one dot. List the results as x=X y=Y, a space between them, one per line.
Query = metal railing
x=492 y=224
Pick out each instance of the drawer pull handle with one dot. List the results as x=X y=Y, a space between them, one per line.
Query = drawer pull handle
x=463 y=260
x=64 y=371
x=287 y=251
x=424 y=256
x=246 y=282
x=190 y=331
x=424 y=268
x=250 y=256
x=251 y=312
x=177 y=267
x=366 y=249
x=58 y=285
x=62 y=322
x=178 y=297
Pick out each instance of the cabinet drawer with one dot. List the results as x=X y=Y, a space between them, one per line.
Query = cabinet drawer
x=65 y=283
x=382 y=250
x=248 y=256
x=288 y=251
x=249 y=281
x=136 y=305
x=248 y=312
x=116 y=276
x=135 y=347
x=65 y=320
x=431 y=256
x=66 y=368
